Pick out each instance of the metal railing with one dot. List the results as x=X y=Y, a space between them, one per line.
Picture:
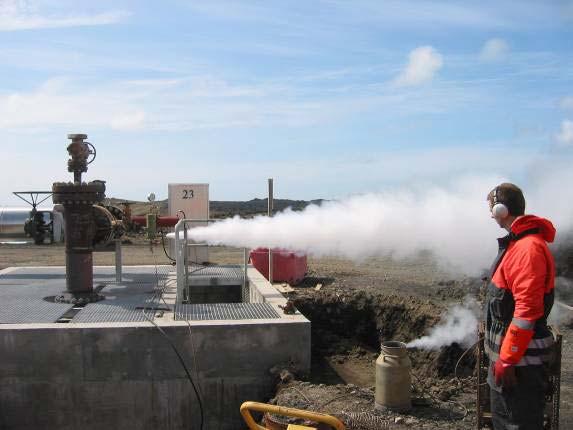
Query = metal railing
x=182 y=246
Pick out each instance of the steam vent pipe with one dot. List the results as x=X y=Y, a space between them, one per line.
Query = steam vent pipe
x=393 y=379
x=78 y=199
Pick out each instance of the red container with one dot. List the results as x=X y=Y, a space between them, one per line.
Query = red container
x=288 y=266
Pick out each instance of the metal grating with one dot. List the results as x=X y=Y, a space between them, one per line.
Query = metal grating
x=21 y=299
x=118 y=310
x=219 y=274
x=98 y=313
x=26 y=311
x=225 y=311
x=22 y=294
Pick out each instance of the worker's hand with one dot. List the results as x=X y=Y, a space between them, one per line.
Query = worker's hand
x=504 y=374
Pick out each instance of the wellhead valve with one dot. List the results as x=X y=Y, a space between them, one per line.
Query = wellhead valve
x=81 y=221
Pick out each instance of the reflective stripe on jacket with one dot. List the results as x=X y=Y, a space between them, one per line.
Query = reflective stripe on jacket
x=521 y=289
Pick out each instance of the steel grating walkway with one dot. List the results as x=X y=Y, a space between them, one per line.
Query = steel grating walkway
x=215 y=275
x=225 y=311
x=136 y=298
x=120 y=310
x=23 y=294
x=24 y=311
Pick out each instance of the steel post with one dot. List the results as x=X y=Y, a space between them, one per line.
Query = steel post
x=118 y=263
x=270 y=214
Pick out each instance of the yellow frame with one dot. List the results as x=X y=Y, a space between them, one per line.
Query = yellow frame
x=289 y=412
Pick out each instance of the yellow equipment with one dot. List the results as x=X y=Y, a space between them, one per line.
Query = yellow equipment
x=316 y=417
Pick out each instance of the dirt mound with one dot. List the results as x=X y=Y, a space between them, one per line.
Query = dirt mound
x=351 y=327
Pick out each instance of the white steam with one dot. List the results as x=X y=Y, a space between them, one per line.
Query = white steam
x=562 y=311
x=453 y=224
x=458 y=325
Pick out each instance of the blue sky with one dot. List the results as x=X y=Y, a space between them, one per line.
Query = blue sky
x=328 y=97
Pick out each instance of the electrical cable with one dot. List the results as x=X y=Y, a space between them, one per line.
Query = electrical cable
x=438 y=401
x=461 y=358
x=165 y=249
x=182 y=361
x=160 y=290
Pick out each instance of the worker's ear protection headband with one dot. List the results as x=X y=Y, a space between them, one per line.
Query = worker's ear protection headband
x=498 y=209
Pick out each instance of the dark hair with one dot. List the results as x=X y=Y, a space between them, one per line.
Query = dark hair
x=510 y=195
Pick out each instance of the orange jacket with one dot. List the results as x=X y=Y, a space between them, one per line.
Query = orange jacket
x=528 y=269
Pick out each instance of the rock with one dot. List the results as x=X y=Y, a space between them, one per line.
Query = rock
x=398 y=420
x=286 y=376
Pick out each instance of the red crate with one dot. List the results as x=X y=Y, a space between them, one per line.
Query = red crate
x=288 y=266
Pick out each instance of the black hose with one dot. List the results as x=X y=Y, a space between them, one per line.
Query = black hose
x=179 y=356
x=164 y=248
x=197 y=395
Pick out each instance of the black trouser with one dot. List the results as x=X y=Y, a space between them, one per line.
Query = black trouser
x=521 y=407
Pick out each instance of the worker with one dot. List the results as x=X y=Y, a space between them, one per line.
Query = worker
x=517 y=340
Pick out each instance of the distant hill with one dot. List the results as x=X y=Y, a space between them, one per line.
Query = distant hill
x=224 y=209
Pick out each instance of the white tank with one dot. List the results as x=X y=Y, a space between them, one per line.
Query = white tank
x=393 y=380
x=13 y=219
x=12 y=222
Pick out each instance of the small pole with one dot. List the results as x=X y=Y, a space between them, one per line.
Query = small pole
x=185 y=261
x=245 y=263
x=118 y=261
x=270 y=214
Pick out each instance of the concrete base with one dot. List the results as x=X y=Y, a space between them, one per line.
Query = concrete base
x=125 y=375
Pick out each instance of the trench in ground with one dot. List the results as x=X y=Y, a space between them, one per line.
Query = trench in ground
x=347 y=331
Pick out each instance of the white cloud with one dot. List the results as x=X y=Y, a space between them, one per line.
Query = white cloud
x=205 y=102
x=18 y=15
x=566 y=103
x=128 y=121
x=423 y=64
x=565 y=135
x=494 y=49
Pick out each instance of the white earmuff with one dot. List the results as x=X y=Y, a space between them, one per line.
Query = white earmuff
x=498 y=210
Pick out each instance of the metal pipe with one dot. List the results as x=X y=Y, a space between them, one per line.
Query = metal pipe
x=118 y=271
x=270 y=214
x=181 y=246
x=160 y=221
x=245 y=262
x=179 y=260
x=186 y=263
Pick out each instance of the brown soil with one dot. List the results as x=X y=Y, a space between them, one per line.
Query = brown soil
x=357 y=306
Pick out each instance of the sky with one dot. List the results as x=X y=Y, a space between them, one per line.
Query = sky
x=330 y=98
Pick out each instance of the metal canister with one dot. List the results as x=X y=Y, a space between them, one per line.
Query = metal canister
x=393 y=380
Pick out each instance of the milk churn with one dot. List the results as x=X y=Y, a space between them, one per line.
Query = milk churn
x=393 y=385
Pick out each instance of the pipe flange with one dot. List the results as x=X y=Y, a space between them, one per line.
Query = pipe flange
x=75 y=193
x=79 y=299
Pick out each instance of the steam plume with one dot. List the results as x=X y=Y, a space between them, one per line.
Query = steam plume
x=458 y=325
x=452 y=223
x=562 y=312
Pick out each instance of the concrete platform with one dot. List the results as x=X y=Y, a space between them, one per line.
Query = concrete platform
x=107 y=365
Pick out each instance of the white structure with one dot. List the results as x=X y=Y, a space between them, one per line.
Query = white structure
x=13 y=219
x=193 y=200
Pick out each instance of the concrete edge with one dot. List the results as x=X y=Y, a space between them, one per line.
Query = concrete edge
x=143 y=324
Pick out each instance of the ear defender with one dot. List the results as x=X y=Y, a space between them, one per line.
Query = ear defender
x=498 y=210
